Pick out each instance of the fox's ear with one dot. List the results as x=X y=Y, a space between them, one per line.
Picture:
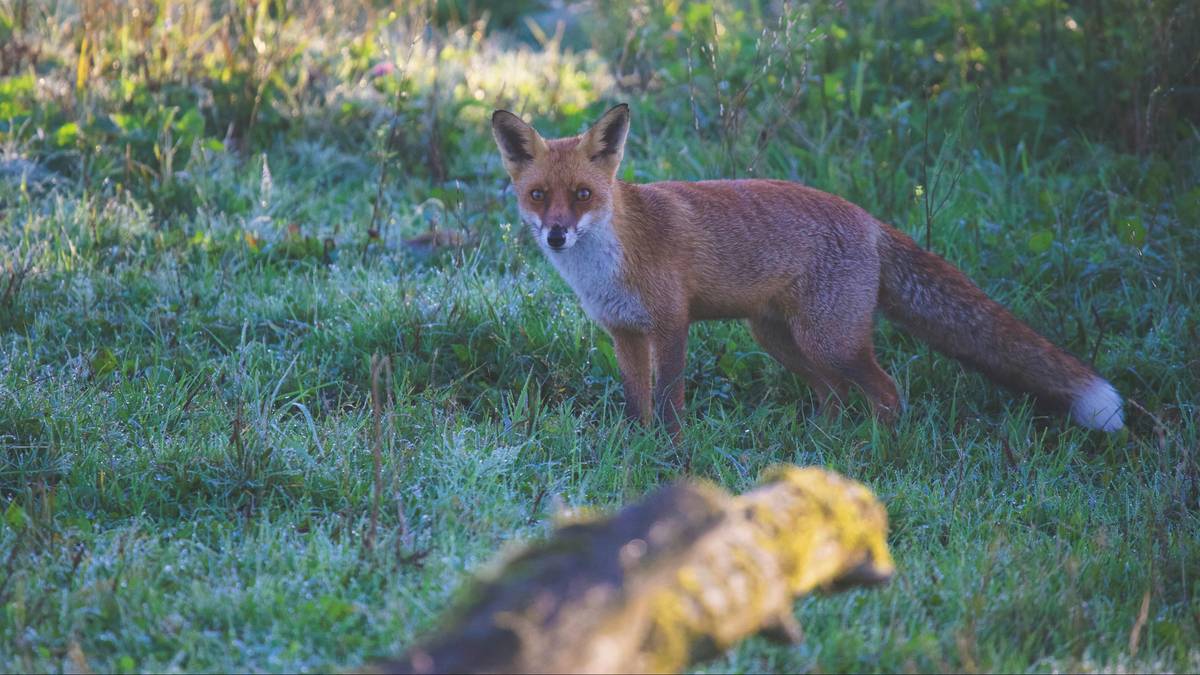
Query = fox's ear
x=604 y=143
x=519 y=143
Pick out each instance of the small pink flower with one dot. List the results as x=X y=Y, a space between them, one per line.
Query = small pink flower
x=381 y=69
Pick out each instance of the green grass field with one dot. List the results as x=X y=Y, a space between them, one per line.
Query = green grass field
x=203 y=228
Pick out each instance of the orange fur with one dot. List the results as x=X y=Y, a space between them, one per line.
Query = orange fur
x=807 y=269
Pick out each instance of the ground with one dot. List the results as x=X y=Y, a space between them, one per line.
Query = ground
x=187 y=435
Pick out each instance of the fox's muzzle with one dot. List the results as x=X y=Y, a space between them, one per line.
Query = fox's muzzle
x=557 y=237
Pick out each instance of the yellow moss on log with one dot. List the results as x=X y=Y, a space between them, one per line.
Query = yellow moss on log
x=675 y=578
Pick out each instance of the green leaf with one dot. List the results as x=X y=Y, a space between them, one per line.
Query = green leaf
x=80 y=523
x=856 y=93
x=104 y=362
x=833 y=86
x=12 y=87
x=462 y=352
x=448 y=198
x=727 y=365
x=66 y=135
x=190 y=127
x=699 y=14
x=1188 y=208
x=1156 y=179
x=1040 y=241
x=121 y=121
x=333 y=608
x=15 y=516
x=608 y=358
x=16 y=93
x=1133 y=232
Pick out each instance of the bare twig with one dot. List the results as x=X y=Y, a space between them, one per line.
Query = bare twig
x=13 y=273
x=10 y=565
x=1135 y=635
x=928 y=187
x=395 y=129
x=1147 y=413
x=381 y=373
x=775 y=48
x=692 y=92
x=925 y=176
x=1100 y=325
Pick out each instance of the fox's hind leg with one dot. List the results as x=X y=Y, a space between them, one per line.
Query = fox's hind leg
x=776 y=339
x=863 y=370
x=831 y=320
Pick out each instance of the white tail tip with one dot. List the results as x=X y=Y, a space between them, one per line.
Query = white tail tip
x=1098 y=406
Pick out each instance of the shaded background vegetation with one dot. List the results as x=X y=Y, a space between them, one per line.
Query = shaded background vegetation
x=213 y=215
x=121 y=94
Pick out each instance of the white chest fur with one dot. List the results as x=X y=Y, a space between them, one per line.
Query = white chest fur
x=593 y=269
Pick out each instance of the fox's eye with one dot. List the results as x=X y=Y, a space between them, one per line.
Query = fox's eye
x=583 y=194
x=537 y=195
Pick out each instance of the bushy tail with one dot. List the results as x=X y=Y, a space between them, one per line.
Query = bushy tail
x=933 y=300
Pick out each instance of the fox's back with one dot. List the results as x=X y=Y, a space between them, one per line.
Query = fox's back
x=744 y=241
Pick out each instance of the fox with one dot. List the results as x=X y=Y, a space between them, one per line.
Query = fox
x=806 y=269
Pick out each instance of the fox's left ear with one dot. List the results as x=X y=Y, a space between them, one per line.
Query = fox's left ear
x=604 y=143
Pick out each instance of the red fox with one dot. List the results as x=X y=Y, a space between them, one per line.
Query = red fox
x=807 y=270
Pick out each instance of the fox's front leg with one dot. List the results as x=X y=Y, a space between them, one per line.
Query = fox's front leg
x=633 y=358
x=670 y=356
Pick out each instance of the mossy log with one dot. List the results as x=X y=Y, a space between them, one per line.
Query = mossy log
x=675 y=578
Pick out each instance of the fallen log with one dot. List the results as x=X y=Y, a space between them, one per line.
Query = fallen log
x=678 y=577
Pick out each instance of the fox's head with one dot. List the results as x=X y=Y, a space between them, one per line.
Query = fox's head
x=564 y=186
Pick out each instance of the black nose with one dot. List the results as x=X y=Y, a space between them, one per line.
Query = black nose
x=557 y=238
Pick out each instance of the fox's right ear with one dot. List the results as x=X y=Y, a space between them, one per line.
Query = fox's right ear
x=519 y=143
x=604 y=142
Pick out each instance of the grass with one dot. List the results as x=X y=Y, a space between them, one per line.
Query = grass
x=186 y=428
